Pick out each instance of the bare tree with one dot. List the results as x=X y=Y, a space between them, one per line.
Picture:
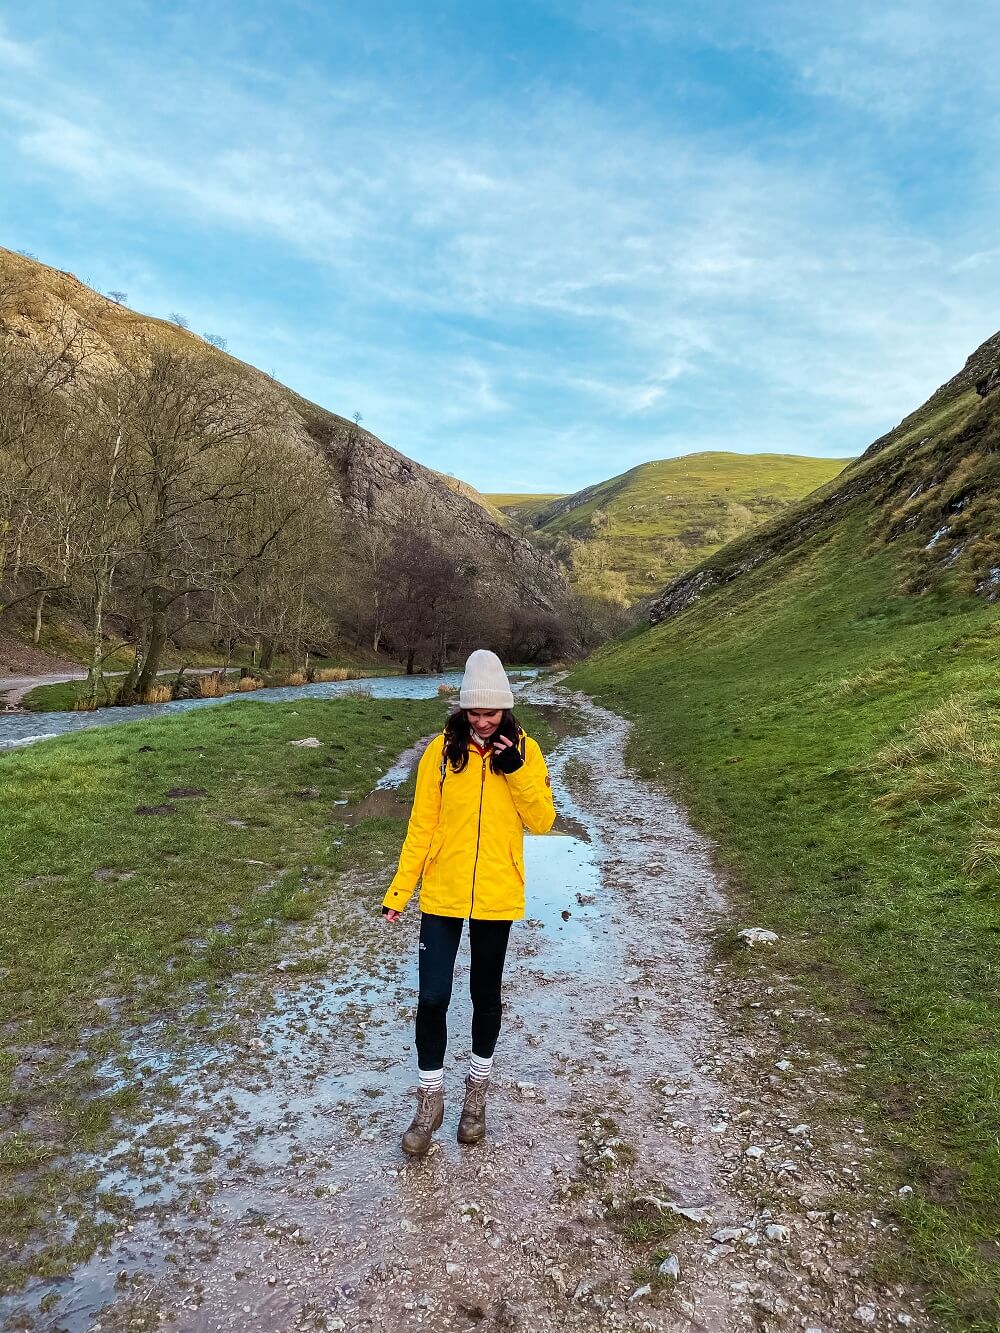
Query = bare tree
x=179 y=320
x=118 y=297
x=216 y=340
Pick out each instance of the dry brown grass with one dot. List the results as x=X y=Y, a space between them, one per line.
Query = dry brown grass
x=158 y=694
x=873 y=678
x=248 y=683
x=446 y=691
x=957 y=731
x=211 y=687
x=984 y=850
x=323 y=674
x=84 y=706
x=295 y=678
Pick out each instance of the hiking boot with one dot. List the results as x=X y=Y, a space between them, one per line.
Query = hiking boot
x=428 y=1117
x=472 y=1126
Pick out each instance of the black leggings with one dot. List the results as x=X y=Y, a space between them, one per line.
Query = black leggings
x=439 y=937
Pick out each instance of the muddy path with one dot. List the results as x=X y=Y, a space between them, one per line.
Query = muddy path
x=635 y=1077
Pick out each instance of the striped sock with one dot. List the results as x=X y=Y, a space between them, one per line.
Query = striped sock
x=431 y=1080
x=480 y=1069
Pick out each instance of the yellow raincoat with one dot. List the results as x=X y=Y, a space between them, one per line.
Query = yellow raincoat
x=465 y=837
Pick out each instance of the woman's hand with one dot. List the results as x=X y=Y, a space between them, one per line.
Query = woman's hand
x=391 y=914
x=507 y=756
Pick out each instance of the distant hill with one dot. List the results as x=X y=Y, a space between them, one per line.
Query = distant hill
x=663 y=517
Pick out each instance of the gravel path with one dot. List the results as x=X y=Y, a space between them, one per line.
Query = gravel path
x=635 y=1077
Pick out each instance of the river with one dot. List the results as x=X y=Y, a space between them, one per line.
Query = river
x=17 y=729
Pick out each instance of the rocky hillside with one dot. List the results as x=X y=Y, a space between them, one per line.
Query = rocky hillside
x=663 y=517
x=934 y=481
x=369 y=478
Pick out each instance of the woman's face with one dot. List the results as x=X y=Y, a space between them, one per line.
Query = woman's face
x=484 y=721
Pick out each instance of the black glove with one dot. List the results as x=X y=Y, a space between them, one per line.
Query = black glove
x=507 y=760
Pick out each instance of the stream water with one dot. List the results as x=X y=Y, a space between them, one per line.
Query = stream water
x=17 y=729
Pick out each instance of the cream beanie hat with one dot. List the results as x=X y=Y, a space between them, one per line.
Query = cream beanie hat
x=485 y=683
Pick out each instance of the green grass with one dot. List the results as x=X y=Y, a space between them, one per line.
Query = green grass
x=99 y=903
x=842 y=744
x=668 y=515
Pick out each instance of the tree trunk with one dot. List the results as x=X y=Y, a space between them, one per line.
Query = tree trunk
x=155 y=645
x=267 y=654
x=35 y=638
x=409 y=661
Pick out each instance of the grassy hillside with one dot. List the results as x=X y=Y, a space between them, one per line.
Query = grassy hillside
x=839 y=736
x=522 y=507
x=666 y=516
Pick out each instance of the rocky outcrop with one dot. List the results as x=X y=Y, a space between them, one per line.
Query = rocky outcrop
x=380 y=485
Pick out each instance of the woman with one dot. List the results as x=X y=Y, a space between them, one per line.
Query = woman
x=479 y=785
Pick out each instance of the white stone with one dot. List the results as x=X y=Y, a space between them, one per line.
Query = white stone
x=865 y=1314
x=756 y=935
x=671 y=1267
x=726 y=1234
x=778 y=1233
x=308 y=743
x=639 y=1292
x=754 y=1152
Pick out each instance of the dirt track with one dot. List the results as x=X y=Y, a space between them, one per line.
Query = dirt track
x=632 y=1068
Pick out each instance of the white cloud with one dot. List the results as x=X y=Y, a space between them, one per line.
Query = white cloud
x=581 y=260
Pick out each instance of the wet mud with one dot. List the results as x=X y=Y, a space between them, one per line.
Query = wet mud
x=615 y=1189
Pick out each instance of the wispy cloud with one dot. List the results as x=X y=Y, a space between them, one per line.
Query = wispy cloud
x=498 y=283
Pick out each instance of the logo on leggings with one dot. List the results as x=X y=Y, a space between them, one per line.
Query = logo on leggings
x=422 y=945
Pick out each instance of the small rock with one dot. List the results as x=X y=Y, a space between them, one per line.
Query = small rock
x=725 y=1234
x=783 y=1065
x=557 y=1278
x=865 y=1314
x=778 y=1233
x=799 y=1131
x=754 y=1153
x=307 y=743
x=905 y=1191
x=640 y=1292
x=755 y=935
x=671 y=1267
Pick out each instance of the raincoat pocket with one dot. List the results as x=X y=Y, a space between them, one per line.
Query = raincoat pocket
x=437 y=840
x=518 y=859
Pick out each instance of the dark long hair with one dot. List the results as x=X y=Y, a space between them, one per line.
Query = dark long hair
x=458 y=733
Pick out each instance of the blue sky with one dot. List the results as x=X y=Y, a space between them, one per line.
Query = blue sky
x=532 y=243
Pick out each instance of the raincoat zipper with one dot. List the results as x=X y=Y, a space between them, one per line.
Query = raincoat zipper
x=479 y=826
